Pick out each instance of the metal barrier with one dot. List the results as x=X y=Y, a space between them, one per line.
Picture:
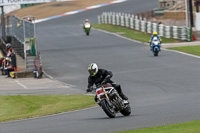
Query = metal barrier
x=21 y=30
x=134 y=22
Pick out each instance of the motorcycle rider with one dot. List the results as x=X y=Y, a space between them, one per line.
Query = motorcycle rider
x=9 y=49
x=8 y=55
x=155 y=34
x=85 y=22
x=101 y=76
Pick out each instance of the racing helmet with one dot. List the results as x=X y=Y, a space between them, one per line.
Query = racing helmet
x=93 y=69
x=155 y=33
x=86 y=20
x=8 y=45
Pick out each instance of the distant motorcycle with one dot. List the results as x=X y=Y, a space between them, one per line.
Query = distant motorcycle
x=4 y=63
x=87 y=28
x=110 y=101
x=155 y=46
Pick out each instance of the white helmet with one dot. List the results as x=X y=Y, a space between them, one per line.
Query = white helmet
x=8 y=45
x=93 y=69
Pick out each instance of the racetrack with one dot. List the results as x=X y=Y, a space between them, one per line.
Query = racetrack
x=162 y=90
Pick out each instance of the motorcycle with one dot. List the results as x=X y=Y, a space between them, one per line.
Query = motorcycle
x=155 y=46
x=4 y=63
x=87 y=28
x=110 y=101
x=1 y=65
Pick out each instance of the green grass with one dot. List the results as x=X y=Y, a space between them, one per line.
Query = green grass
x=195 y=50
x=189 y=127
x=21 y=107
x=132 y=34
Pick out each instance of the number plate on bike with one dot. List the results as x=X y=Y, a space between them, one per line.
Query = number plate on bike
x=99 y=91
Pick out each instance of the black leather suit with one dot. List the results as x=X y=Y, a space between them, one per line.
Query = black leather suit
x=103 y=76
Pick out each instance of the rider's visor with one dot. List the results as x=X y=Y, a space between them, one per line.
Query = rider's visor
x=91 y=72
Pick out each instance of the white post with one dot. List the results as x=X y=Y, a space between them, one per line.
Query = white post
x=186 y=12
x=99 y=20
x=24 y=43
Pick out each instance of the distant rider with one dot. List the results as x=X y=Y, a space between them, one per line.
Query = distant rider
x=101 y=76
x=9 y=49
x=86 y=22
x=155 y=34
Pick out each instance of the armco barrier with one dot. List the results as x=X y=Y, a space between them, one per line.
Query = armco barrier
x=136 y=23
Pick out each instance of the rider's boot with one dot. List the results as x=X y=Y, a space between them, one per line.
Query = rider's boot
x=119 y=90
x=124 y=97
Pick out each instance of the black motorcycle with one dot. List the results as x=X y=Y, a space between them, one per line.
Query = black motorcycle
x=110 y=101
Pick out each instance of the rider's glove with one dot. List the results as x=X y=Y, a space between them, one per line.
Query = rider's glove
x=103 y=82
x=89 y=89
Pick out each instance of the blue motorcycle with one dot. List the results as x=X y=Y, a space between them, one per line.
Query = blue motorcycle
x=155 y=46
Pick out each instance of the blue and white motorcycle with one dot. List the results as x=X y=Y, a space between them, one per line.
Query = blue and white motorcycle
x=155 y=46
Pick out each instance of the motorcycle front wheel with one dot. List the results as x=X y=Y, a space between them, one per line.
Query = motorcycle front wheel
x=126 y=111
x=108 y=109
x=156 y=53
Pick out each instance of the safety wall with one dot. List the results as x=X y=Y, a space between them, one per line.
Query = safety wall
x=137 y=23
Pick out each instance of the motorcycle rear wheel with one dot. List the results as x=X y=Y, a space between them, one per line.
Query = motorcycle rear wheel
x=107 y=109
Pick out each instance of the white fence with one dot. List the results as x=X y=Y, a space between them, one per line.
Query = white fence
x=134 y=22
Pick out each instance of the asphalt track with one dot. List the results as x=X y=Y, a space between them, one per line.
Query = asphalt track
x=162 y=90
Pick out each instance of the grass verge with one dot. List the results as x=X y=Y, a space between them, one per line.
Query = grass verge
x=21 y=107
x=132 y=34
x=195 y=50
x=189 y=127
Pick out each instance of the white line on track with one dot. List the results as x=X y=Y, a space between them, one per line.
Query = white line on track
x=21 y=84
x=182 y=53
x=49 y=76
x=118 y=35
x=146 y=43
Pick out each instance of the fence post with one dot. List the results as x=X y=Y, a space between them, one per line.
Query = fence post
x=161 y=28
x=167 y=30
x=109 y=19
x=113 y=19
x=122 y=20
x=99 y=19
x=127 y=21
x=131 y=23
x=149 y=27
x=25 y=56
x=175 y=32
x=118 y=22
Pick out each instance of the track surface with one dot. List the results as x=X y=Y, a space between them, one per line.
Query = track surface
x=162 y=90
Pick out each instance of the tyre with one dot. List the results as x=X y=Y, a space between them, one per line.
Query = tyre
x=156 y=53
x=126 y=111
x=87 y=33
x=107 y=109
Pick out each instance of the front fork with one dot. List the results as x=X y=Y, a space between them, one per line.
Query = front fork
x=107 y=98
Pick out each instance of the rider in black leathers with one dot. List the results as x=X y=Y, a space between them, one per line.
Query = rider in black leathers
x=102 y=76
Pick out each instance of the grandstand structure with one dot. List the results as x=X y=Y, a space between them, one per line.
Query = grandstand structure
x=172 y=4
